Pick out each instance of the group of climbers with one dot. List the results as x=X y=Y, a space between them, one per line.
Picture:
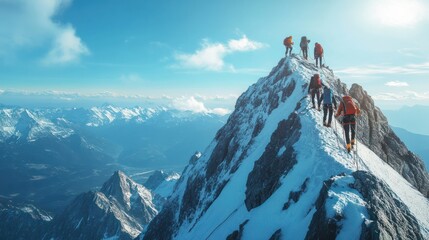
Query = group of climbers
x=347 y=108
x=318 y=49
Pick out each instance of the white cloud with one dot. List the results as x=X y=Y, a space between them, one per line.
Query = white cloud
x=406 y=95
x=359 y=71
x=30 y=24
x=67 y=48
x=396 y=84
x=192 y=104
x=131 y=78
x=244 y=44
x=211 y=55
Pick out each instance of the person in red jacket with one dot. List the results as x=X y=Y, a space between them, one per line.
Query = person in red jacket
x=288 y=44
x=318 y=53
x=349 y=110
x=314 y=89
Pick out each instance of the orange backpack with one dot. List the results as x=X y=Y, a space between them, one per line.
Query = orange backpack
x=319 y=49
x=349 y=106
x=288 y=41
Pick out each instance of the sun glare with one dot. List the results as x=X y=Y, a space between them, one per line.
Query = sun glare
x=399 y=13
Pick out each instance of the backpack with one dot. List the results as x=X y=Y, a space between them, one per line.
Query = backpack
x=304 y=42
x=316 y=82
x=349 y=106
x=318 y=49
x=288 y=41
x=327 y=96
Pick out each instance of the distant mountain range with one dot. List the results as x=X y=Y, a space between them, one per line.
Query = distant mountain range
x=411 y=118
x=49 y=155
x=417 y=143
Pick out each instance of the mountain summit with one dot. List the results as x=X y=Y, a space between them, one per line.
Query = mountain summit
x=274 y=171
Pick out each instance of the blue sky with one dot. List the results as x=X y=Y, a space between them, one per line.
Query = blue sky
x=209 y=49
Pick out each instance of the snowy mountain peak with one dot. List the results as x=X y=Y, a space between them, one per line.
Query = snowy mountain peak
x=125 y=190
x=268 y=172
x=120 y=210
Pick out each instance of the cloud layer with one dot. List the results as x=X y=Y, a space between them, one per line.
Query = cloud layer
x=192 y=104
x=211 y=55
x=360 y=71
x=33 y=27
x=396 y=84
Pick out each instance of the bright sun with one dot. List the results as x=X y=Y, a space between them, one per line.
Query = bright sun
x=399 y=13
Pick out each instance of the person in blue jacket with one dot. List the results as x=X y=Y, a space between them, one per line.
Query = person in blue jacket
x=329 y=102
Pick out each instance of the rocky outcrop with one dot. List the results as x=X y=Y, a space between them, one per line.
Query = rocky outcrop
x=390 y=218
x=374 y=131
x=322 y=226
x=277 y=160
x=295 y=195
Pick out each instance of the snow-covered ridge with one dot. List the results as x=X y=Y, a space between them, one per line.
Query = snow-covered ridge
x=264 y=175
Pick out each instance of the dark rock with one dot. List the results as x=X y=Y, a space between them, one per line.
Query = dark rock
x=295 y=195
x=322 y=227
x=264 y=179
x=391 y=218
x=191 y=197
x=374 y=131
x=165 y=220
x=277 y=235
x=237 y=234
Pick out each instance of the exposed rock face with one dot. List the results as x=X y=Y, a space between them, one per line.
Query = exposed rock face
x=391 y=219
x=277 y=160
x=22 y=221
x=321 y=226
x=374 y=131
x=121 y=209
x=237 y=234
x=155 y=179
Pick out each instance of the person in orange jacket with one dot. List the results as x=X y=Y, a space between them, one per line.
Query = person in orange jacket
x=288 y=44
x=349 y=110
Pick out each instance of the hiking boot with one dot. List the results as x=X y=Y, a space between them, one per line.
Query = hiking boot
x=349 y=147
x=318 y=109
x=353 y=142
x=314 y=106
x=324 y=124
x=328 y=125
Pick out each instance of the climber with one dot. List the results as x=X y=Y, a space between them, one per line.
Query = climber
x=328 y=100
x=304 y=46
x=349 y=110
x=314 y=89
x=318 y=53
x=288 y=44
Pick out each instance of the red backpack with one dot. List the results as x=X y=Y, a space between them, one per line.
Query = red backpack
x=349 y=106
x=317 y=82
x=319 y=49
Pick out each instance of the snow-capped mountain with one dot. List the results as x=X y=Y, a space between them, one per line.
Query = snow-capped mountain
x=19 y=123
x=274 y=171
x=50 y=155
x=19 y=220
x=120 y=210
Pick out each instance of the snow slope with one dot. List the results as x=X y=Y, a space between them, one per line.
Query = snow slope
x=213 y=199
